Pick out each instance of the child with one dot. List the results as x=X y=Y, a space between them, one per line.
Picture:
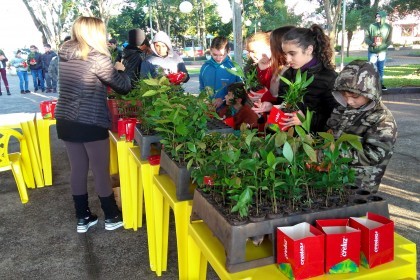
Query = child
x=309 y=50
x=22 y=71
x=213 y=72
x=237 y=107
x=358 y=90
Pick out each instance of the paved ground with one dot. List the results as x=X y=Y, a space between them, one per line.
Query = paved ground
x=38 y=240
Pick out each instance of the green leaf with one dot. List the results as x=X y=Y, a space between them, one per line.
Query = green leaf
x=151 y=82
x=310 y=152
x=288 y=152
x=151 y=92
x=327 y=136
x=192 y=147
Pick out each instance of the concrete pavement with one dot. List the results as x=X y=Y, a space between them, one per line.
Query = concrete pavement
x=38 y=240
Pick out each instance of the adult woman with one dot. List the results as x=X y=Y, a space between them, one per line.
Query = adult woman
x=308 y=49
x=85 y=69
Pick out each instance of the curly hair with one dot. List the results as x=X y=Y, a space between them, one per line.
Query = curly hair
x=315 y=36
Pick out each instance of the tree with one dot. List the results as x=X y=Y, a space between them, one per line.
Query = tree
x=51 y=17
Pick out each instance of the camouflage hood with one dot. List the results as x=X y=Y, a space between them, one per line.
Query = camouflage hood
x=358 y=77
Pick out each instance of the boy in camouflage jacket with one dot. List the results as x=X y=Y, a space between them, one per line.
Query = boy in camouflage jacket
x=358 y=90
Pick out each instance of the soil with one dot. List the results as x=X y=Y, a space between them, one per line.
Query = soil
x=319 y=202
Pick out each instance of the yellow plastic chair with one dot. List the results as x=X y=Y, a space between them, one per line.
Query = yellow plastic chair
x=13 y=161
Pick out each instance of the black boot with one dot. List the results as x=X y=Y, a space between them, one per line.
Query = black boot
x=85 y=219
x=113 y=215
x=8 y=91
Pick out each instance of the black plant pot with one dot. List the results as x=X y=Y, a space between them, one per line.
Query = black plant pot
x=234 y=237
x=179 y=174
x=145 y=142
x=215 y=125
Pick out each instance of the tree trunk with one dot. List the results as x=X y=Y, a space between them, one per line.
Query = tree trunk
x=349 y=36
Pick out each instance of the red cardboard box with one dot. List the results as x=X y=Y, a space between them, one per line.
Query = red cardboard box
x=276 y=117
x=342 y=246
x=377 y=239
x=300 y=251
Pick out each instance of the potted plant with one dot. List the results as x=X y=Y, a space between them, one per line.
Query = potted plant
x=250 y=79
x=181 y=122
x=273 y=175
x=146 y=91
x=292 y=99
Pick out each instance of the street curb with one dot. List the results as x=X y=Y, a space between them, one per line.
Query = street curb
x=402 y=90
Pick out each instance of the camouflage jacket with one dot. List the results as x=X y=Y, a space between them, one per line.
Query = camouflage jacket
x=373 y=122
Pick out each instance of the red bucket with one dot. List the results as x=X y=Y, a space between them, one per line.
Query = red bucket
x=48 y=109
x=126 y=128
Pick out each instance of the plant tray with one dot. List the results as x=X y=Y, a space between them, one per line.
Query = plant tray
x=242 y=255
x=179 y=174
x=145 y=142
x=215 y=125
x=122 y=109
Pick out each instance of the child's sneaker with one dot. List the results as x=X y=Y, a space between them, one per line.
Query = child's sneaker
x=113 y=223
x=84 y=224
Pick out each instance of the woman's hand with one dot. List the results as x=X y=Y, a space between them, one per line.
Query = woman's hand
x=119 y=66
x=262 y=107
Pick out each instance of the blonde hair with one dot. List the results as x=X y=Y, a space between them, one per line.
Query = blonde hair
x=89 y=32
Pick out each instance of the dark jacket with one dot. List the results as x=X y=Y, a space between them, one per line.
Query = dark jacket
x=318 y=98
x=38 y=58
x=132 y=57
x=46 y=60
x=83 y=94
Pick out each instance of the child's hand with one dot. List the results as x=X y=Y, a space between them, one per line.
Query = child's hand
x=217 y=102
x=262 y=107
x=292 y=119
x=264 y=62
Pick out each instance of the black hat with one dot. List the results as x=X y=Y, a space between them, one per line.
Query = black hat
x=136 y=37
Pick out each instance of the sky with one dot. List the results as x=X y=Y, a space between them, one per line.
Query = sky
x=17 y=29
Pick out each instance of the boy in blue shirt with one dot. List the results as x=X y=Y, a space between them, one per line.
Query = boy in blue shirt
x=213 y=73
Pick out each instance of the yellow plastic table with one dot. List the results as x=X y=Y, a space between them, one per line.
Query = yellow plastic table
x=119 y=155
x=141 y=179
x=32 y=161
x=204 y=247
x=43 y=129
x=165 y=198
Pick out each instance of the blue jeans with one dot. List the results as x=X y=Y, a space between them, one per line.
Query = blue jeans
x=378 y=59
x=23 y=78
x=37 y=75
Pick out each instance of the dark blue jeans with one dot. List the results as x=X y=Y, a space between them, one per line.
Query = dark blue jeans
x=37 y=75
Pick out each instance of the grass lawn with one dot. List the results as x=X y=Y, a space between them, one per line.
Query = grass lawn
x=402 y=76
x=193 y=70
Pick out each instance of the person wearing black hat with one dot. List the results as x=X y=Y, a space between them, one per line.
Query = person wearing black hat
x=135 y=53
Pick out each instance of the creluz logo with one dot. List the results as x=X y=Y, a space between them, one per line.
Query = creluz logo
x=376 y=242
x=285 y=249
x=277 y=117
x=302 y=253
x=344 y=247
